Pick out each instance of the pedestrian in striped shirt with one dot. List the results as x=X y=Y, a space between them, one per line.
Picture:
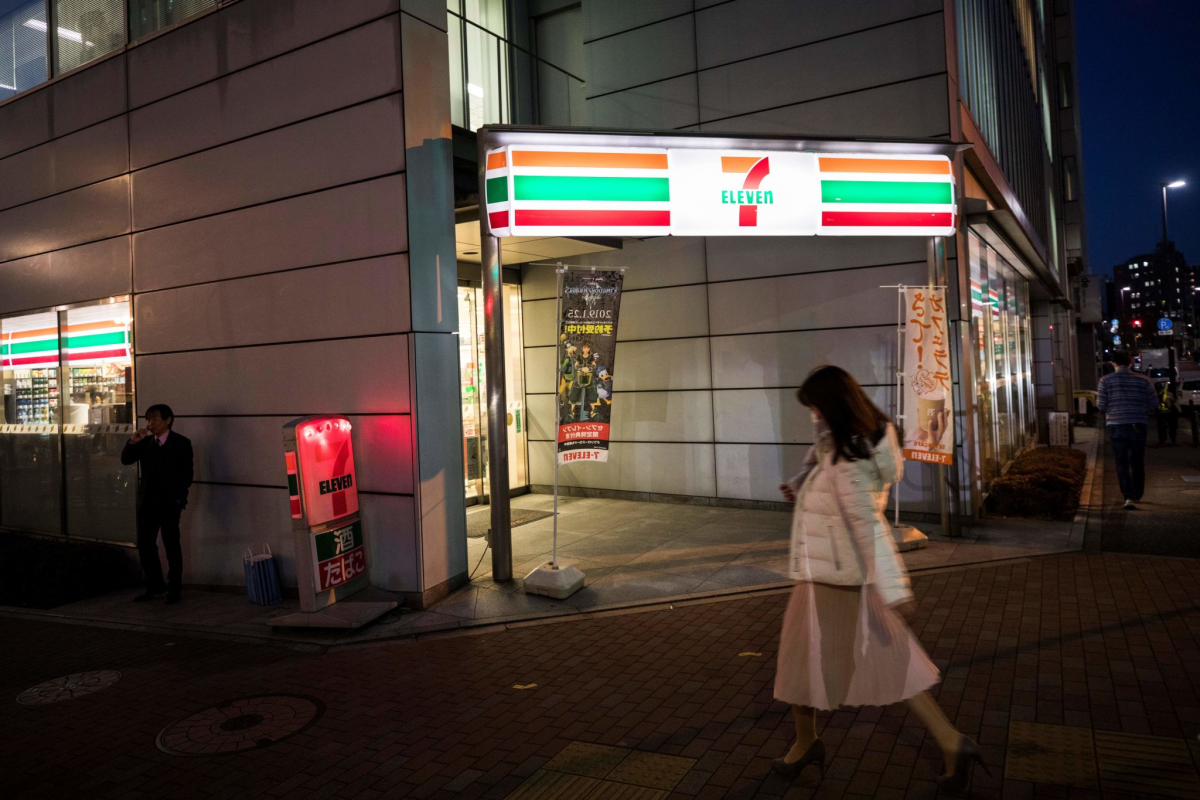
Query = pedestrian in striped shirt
x=1127 y=399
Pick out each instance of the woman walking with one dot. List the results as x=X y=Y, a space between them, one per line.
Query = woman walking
x=843 y=641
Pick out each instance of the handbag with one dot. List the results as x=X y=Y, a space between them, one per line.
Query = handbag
x=262 y=577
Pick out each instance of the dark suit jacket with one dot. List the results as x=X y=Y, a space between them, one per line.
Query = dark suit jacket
x=166 y=468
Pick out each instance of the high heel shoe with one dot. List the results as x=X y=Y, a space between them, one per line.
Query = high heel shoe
x=968 y=756
x=815 y=754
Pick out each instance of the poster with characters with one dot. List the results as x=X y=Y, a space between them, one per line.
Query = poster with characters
x=587 y=347
x=928 y=399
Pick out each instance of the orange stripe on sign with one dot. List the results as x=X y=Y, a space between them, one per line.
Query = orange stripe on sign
x=551 y=158
x=94 y=326
x=740 y=164
x=30 y=334
x=497 y=160
x=885 y=165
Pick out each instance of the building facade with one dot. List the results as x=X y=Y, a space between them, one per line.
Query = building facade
x=1153 y=287
x=258 y=209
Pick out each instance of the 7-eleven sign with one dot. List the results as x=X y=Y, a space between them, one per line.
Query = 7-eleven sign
x=743 y=193
x=326 y=455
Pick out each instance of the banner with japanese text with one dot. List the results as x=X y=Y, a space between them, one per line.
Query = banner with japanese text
x=928 y=399
x=587 y=348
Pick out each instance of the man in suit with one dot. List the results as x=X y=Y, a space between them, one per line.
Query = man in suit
x=166 y=474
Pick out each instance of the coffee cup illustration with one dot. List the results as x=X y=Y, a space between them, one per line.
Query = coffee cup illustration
x=929 y=408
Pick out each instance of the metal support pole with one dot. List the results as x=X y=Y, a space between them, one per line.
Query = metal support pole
x=558 y=359
x=1164 y=191
x=497 y=403
x=948 y=485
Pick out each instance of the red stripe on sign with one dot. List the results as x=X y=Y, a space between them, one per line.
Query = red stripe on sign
x=498 y=219
x=16 y=362
x=583 y=432
x=887 y=219
x=120 y=352
x=616 y=219
x=296 y=513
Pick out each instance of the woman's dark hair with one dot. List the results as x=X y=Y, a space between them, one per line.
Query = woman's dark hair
x=855 y=422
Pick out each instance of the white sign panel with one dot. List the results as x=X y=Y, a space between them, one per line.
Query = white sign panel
x=743 y=193
x=928 y=395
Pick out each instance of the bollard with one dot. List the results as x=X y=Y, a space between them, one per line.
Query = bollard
x=1195 y=431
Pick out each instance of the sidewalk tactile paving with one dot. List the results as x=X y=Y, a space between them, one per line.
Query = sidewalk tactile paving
x=652 y=769
x=1056 y=754
x=584 y=758
x=1152 y=765
x=547 y=785
x=68 y=687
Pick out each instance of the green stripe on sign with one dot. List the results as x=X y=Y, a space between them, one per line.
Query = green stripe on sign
x=293 y=486
x=96 y=339
x=886 y=192
x=327 y=543
x=548 y=187
x=17 y=348
x=497 y=190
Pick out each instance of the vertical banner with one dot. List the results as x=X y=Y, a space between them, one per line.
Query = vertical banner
x=928 y=399
x=587 y=348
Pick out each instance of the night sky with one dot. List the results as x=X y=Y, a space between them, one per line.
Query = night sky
x=1139 y=81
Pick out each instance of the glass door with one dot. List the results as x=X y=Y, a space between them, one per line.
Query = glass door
x=473 y=380
x=30 y=469
x=100 y=493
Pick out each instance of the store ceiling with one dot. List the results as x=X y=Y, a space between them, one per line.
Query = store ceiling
x=519 y=249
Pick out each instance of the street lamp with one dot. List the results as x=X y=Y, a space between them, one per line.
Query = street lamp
x=1165 y=186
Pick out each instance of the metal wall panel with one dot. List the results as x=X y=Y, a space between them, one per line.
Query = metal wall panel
x=803 y=302
x=357 y=221
x=349 y=68
x=652 y=53
x=357 y=143
x=638 y=416
x=747 y=28
x=671 y=313
x=89 y=96
x=682 y=469
x=754 y=471
x=73 y=275
x=784 y=359
x=82 y=215
x=774 y=416
x=249 y=450
x=349 y=376
x=237 y=36
x=738 y=257
x=357 y=298
x=613 y=16
x=914 y=109
x=882 y=55
x=666 y=105
x=87 y=156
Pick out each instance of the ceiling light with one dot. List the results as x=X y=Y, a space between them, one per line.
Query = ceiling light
x=63 y=33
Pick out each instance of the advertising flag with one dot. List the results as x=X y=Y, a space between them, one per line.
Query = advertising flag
x=928 y=399
x=587 y=347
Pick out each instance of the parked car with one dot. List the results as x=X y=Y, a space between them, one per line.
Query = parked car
x=1189 y=392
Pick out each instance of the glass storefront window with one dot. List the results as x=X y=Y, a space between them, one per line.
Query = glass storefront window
x=68 y=410
x=478 y=62
x=23 y=62
x=87 y=29
x=1003 y=360
x=30 y=466
x=148 y=16
x=101 y=494
x=473 y=379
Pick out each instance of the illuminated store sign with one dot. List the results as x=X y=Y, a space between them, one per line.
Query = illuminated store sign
x=586 y=191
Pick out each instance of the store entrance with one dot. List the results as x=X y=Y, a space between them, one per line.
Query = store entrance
x=473 y=381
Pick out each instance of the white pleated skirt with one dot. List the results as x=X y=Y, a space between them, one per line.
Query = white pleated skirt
x=841 y=646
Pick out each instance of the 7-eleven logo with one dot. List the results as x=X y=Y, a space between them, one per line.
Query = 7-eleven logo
x=750 y=196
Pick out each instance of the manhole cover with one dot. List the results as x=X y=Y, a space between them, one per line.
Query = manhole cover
x=68 y=687
x=238 y=725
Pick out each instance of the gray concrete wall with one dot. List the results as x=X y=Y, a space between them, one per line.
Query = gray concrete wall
x=716 y=334
x=246 y=177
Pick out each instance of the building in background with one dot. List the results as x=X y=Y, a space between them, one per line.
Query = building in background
x=258 y=209
x=1153 y=287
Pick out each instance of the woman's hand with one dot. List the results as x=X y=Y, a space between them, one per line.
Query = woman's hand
x=789 y=493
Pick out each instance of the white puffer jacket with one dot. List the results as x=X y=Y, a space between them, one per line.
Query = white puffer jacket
x=839 y=533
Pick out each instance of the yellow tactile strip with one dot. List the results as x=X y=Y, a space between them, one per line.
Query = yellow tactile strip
x=1152 y=765
x=585 y=771
x=1058 y=754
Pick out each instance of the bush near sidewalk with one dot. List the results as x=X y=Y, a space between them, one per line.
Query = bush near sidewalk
x=1043 y=483
x=44 y=573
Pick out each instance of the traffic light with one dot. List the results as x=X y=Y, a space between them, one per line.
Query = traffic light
x=1137 y=323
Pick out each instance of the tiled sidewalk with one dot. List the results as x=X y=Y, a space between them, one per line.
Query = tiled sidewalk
x=1060 y=666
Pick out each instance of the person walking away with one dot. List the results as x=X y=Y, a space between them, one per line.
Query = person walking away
x=1126 y=399
x=1168 y=413
x=844 y=642
x=166 y=475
